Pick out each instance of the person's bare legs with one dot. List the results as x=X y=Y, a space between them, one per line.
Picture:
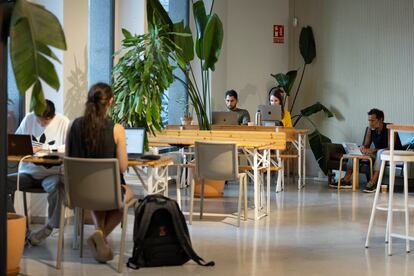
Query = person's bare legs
x=348 y=175
x=114 y=217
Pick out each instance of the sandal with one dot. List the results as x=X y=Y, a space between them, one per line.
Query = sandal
x=100 y=250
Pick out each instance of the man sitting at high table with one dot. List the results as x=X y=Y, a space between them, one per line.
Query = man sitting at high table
x=48 y=130
x=377 y=134
x=243 y=115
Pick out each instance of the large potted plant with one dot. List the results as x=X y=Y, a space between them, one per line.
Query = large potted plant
x=32 y=31
x=316 y=138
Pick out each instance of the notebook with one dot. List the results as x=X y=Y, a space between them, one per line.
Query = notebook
x=352 y=148
x=270 y=112
x=225 y=118
x=19 y=144
x=135 y=142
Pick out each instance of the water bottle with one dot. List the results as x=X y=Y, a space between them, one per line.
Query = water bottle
x=258 y=118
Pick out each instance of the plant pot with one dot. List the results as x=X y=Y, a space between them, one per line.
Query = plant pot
x=212 y=188
x=186 y=121
x=16 y=232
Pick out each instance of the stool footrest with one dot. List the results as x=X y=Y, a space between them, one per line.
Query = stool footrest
x=400 y=236
x=384 y=207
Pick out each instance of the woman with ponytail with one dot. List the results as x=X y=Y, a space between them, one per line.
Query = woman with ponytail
x=94 y=135
x=276 y=98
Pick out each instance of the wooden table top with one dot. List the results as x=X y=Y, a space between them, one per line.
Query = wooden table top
x=356 y=156
x=35 y=159
x=163 y=161
x=401 y=127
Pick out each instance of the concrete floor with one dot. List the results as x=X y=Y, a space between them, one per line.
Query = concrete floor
x=316 y=231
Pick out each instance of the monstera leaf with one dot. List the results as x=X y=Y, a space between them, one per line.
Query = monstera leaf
x=286 y=80
x=316 y=141
x=33 y=30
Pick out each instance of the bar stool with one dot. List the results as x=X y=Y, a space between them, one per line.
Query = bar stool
x=399 y=156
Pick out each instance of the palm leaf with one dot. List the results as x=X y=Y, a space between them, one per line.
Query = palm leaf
x=32 y=30
x=200 y=18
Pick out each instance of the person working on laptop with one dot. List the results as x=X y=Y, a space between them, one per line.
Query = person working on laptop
x=94 y=135
x=376 y=134
x=48 y=130
x=231 y=99
x=276 y=98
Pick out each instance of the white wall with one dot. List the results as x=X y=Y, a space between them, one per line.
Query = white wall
x=75 y=62
x=365 y=59
x=249 y=55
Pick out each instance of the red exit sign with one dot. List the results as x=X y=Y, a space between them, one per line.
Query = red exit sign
x=278 y=33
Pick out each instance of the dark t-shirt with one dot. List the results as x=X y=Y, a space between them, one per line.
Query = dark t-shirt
x=380 y=139
x=76 y=147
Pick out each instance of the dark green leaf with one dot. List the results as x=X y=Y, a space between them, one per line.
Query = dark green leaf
x=184 y=40
x=37 y=101
x=286 y=80
x=212 y=42
x=307 y=44
x=200 y=18
x=157 y=14
x=315 y=108
x=316 y=141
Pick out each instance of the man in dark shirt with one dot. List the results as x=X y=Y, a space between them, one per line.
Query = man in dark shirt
x=243 y=115
x=378 y=135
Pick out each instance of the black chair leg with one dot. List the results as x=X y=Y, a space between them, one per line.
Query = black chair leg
x=26 y=213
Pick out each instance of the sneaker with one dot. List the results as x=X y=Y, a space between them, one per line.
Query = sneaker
x=100 y=249
x=370 y=188
x=344 y=184
x=37 y=237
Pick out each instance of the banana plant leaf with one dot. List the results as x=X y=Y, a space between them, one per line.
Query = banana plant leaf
x=315 y=108
x=307 y=44
x=212 y=42
x=32 y=30
x=316 y=141
x=184 y=43
x=286 y=80
x=200 y=18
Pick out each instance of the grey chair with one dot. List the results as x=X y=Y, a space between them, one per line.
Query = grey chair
x=93 y=184
x=217 y=161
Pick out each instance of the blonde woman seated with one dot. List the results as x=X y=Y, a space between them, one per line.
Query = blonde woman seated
x=95 y=136
x=276 y=98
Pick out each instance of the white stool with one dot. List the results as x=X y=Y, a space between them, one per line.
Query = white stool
x=399 y=156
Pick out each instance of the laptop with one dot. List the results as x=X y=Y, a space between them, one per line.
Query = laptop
x=135 y=142
x=19 y=144
x=352 y=149
x=270 y=112
x=225 y=118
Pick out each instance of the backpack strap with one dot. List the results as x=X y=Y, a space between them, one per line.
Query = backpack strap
x=182 y=233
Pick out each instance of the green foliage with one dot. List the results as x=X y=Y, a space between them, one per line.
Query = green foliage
x=33 y=30
x=141 y=77
x=286 y=81
x=209 y=40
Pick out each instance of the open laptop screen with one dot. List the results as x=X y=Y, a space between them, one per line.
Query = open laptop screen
x=135 y=140
x=225 y=118
x=270 y=112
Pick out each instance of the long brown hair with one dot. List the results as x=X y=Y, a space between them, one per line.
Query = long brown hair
x=278 y=93
x=94 y=118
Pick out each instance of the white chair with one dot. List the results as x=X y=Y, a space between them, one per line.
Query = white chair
x=399 y=156
x=217 y=161
x=93 y=184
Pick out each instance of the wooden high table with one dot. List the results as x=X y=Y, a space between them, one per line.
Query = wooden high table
x=257 y=148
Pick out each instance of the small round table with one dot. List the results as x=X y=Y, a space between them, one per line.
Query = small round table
x=355 y=170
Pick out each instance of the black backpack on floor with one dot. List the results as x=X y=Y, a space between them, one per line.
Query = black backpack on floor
x=161 y=236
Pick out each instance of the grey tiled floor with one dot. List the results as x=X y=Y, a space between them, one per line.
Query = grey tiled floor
x=316 y=231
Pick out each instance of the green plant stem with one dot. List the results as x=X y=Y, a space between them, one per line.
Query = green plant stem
x=211 y=8
x=297 y=120
x=297 y=89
